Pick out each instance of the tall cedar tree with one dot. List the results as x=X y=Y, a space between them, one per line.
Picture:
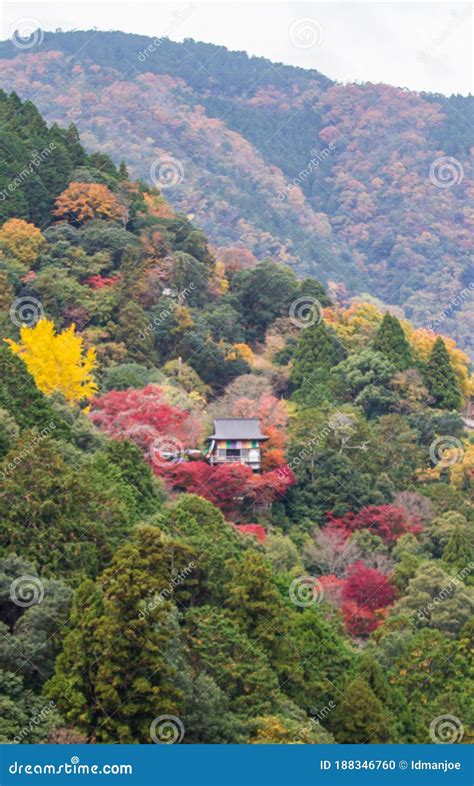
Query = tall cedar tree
x=441 y=379
x=113 y=677
x=21 y=398
x=359 y=717
x=317 y=352
x=390 y=340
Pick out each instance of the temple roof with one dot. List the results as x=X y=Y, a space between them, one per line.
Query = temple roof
x=237 y=428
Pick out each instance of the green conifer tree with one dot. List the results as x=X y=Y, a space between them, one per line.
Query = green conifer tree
x=440 y=378
x=458 y=550
x=317 y=352
x=359 y=716
x=391 y=341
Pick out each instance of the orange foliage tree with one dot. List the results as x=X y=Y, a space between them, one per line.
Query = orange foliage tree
x=85 y=201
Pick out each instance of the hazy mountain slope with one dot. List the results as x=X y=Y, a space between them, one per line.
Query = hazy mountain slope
x=342 y=182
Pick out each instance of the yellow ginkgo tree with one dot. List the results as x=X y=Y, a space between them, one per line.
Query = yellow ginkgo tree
x=57 y=361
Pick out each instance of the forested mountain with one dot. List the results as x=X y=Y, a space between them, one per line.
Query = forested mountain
x=328 y=598
x=365 y=187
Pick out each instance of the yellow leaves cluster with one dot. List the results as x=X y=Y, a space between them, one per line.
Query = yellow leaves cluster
x=456 y=464
x=358 y=324
x=85 y=201
x=241 y=351
x=57 y=361
x=219 y=279
x=421 y=342
x=22 y=240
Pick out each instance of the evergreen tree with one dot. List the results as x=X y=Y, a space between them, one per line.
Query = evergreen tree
x=114 y=675
x=359 y=716
x=458 y=550
x=390 y=340
x=22 y=399
x=317 y=352
x=440 y=378
x=257 y=606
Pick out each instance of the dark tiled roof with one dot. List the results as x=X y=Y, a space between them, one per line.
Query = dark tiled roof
x=237 y=428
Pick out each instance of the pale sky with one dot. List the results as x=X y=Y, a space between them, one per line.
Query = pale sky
x=422 y=46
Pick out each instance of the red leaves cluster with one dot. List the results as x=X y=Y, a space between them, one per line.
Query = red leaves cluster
x=99 y=282
x=253 y=529
x=143 y=416
x=386 y=521
x=363 y=596
x=231 y=487
x=367 y=587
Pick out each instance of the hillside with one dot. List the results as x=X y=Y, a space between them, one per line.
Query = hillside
x=346 y=184
x=327 y=599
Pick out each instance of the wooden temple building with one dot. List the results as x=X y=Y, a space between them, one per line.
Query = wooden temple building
x=236 y=441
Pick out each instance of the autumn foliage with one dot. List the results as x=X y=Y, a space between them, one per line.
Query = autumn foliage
x=143 y=416
x=85 y=201
x=22 y=240
x=57 y=361
x=386 y=521
x=365 y=596
x=233 y=488
x=253 y=529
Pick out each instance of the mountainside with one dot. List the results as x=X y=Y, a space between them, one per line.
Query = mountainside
x=344 y=183
x=328 y=597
